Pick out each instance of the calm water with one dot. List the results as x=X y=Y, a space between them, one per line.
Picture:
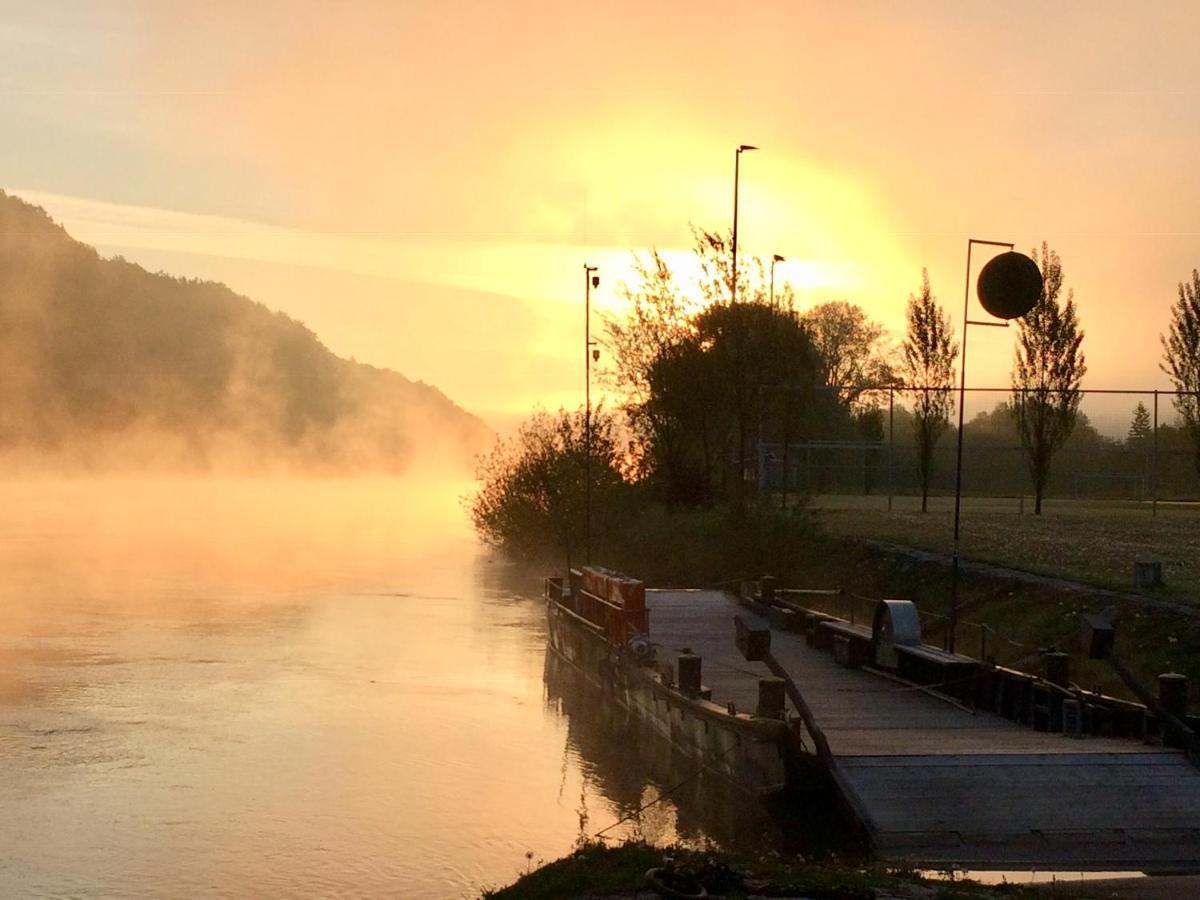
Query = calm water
x=284 y=688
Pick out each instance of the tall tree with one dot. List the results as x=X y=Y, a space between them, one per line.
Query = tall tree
x=1047 y=370
x=1139 y=426
x=850 y=345
x=1181 y=358
x=655 y=324
x=697 y=373
x=929 y=352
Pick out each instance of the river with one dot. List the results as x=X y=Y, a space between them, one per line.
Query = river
x=290 y=688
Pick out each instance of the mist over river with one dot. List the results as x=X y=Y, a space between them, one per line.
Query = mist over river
x=287 y=688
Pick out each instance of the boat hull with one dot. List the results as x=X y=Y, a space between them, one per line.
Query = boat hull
x=756 y=755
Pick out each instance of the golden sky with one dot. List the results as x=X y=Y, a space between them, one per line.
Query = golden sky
x=421 y=183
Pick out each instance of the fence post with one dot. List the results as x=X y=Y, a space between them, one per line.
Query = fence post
x=1154 y=461
x=891 y=445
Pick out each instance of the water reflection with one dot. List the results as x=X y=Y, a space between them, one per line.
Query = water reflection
x=631 y=765
x=290 y=689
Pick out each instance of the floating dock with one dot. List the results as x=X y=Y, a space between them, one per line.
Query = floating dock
x=934 y=782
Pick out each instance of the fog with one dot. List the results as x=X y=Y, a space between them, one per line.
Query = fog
x=131 y=540
x=111 y=368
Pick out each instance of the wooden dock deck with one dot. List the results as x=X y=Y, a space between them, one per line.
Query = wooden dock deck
x=936 y=784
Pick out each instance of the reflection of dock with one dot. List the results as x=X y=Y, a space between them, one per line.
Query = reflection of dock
x=932 y=781
x=626 y=761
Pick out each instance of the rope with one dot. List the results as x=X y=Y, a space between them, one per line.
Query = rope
x=662 y=796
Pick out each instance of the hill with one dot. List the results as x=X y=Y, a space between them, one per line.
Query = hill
x=106 y=365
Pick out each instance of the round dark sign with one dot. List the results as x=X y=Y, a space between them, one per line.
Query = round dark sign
x=1010 y=285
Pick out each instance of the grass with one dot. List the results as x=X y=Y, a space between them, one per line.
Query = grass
x=595 y=870
x=1089 y=543
x=1093 y=543
x=819 y=546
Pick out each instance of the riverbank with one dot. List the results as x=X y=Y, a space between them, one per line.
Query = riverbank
x=596 y=871
x=1025 y=612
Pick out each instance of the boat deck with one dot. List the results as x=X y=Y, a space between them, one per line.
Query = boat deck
x=938 y=784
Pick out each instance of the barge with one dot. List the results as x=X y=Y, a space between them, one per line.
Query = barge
x=598 y=622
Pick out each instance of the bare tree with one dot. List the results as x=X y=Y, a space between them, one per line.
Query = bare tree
x=1047 y=371
x=1181 y=358
x=929 y=352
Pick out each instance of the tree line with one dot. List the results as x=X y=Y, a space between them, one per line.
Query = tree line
x=706 y=382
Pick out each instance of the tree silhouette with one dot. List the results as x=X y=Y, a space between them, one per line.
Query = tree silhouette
x=531 y=493
x=1181 y=358
x=1139 y=426
x=849 y=345
x=929 y=352
x=1047 y=372
x=703 y=379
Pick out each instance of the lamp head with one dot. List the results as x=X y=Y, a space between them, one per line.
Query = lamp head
x=777 y=258
x=746 y=147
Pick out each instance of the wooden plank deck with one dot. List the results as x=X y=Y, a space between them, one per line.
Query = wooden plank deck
x=937 y=784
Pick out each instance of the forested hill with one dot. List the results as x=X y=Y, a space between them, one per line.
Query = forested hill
x=103 y=364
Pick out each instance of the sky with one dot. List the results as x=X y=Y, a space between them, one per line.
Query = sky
x=422 y=183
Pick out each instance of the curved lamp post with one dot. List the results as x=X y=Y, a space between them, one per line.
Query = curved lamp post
x=1009 y=286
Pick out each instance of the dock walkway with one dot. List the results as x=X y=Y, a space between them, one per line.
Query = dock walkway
x=936 y=784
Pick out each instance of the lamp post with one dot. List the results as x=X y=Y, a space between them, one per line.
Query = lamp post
x=737 y=160
x=1009 y=286
x=590 y=280
x=774 y=259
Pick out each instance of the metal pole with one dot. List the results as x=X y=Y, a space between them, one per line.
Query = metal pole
x=773 y=281
x=737 y=163
x=962 y=393
x=587 y=415
x=1154 y=462
x=891 y=446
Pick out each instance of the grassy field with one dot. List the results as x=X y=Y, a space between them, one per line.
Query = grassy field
x=1091 y=542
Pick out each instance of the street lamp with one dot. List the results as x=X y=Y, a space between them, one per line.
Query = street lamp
x=774 y=259
x=737 y=159
x=1009 y=286
x=590 y=280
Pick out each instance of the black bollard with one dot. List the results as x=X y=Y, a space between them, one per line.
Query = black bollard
x=766 y=589
x=1173 y=693
x=1057 y=667
x=689 y=674
x=771 y=696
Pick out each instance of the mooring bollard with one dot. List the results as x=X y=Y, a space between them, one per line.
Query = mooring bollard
x=1072 y=718
x=766 y=588
x=1173 y=693
x=772 y=693
x=1057 y=668
x=689 y=666
x=1173 y=698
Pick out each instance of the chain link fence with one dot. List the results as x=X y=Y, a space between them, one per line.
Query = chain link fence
x=1110 y=456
